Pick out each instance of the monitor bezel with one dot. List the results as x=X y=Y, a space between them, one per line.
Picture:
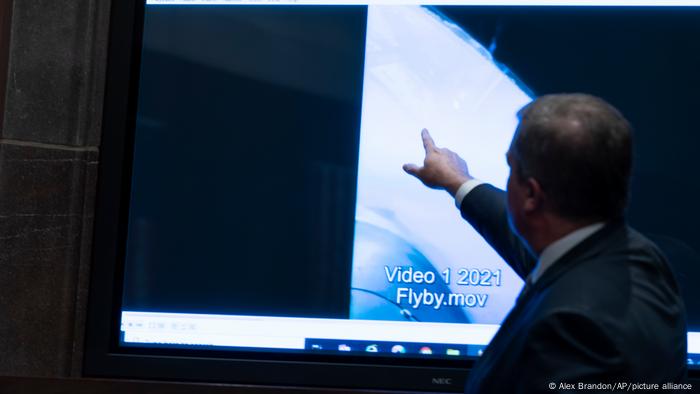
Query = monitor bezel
x=104 y=357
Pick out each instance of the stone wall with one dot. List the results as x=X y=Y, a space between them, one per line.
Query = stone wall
x=49 y=151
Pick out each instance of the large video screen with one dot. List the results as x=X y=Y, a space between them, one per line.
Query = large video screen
x=269 y=211
x=414 y=256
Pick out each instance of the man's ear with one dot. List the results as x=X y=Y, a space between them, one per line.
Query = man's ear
x=534 y=196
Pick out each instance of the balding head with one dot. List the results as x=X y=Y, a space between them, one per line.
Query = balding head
x=579 y=149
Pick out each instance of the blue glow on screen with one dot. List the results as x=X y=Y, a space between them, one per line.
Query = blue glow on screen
x=423 y=71
x=567 y=3
x=414 y=258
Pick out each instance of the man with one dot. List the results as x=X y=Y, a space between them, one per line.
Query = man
x=600 y=303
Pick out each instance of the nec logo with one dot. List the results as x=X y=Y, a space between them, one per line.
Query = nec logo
x=442 y=381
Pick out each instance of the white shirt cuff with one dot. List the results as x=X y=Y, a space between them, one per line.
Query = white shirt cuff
x=464 y=190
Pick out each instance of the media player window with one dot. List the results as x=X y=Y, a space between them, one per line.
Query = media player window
x=268 y=207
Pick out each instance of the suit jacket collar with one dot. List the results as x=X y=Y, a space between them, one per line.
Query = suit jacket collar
x=558 y=248
x=587 y=248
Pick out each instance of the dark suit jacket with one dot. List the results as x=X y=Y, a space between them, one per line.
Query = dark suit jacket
x=609 y=310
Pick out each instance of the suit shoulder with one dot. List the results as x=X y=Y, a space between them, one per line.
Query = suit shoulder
x=636 y=241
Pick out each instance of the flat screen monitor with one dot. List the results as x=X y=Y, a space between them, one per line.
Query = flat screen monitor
x=254 y=222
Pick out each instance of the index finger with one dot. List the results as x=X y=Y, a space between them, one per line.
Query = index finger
x=428 y=142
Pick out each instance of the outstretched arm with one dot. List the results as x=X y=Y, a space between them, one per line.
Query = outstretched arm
x=484 y=207
x=442 y=169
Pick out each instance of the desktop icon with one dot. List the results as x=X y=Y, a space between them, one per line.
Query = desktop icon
x=372 y=348
x=344 y=348
x=398 y=349
x=425 y=350
x=316 y=346
x=453 y=352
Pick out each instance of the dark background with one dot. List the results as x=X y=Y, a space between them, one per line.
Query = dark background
x=268 y=211
x=5 y=13
x=52 y=118
x=644 y=61
x=260 y=223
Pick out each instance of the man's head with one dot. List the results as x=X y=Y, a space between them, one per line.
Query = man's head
x=570 y=160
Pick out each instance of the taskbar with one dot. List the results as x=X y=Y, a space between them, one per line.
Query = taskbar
x=397 y=349
x=337 y=336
